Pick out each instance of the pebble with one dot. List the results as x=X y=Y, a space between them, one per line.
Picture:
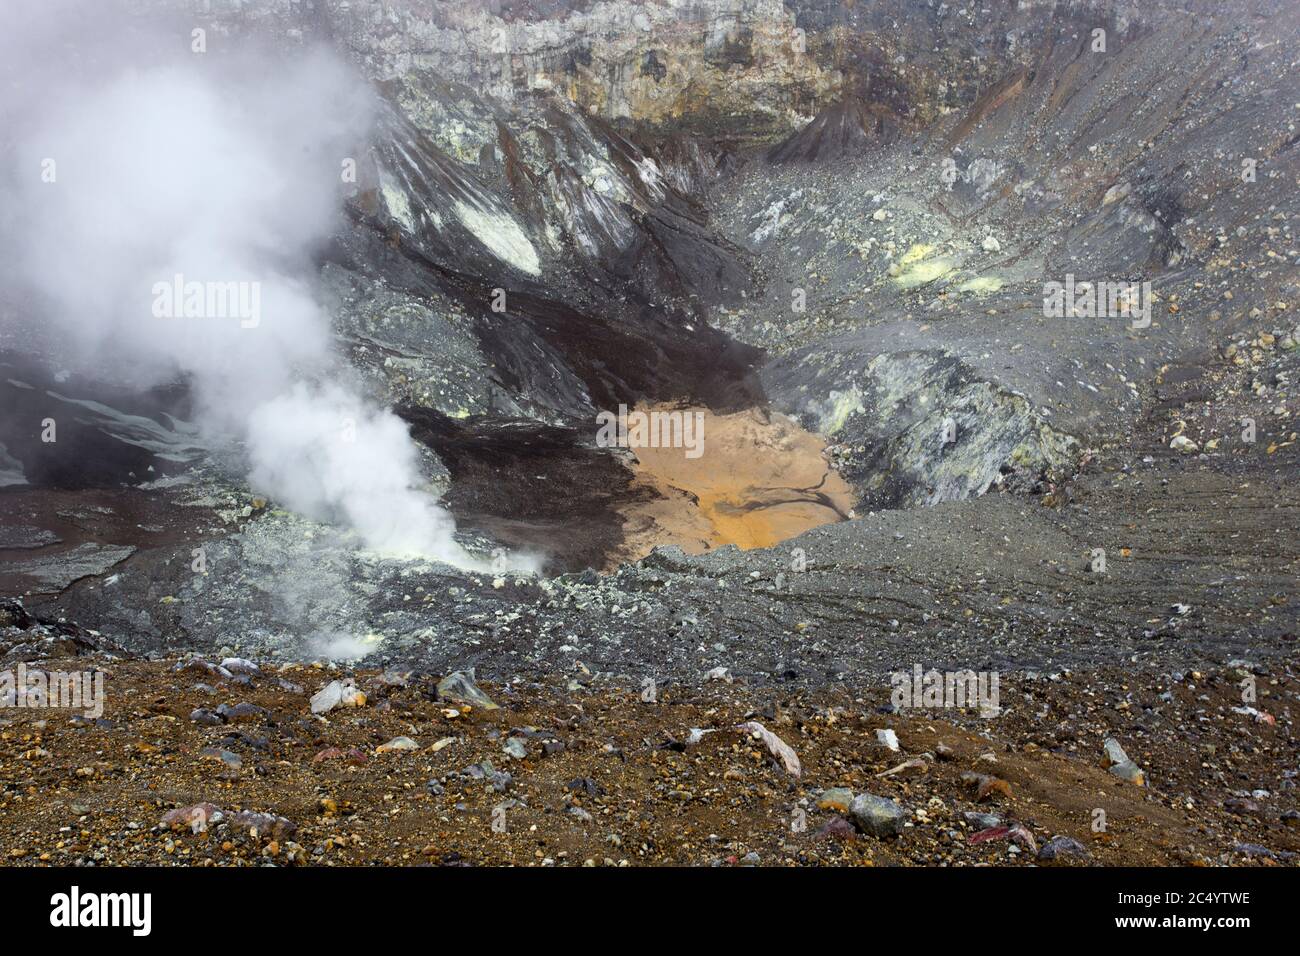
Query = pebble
x=1255 y=850
x=878 y=816
x=201 y=715
x=228 y=757
x=916 y=763
x=985 y=786
x=586 y=785
x=1059 y=846
x=1114 y=752
x=238 y=665
x=266 y=824
x=196 y=817
x=242 y=711
x=1118 y=763
x=337 y=694
x=352 y=755
x=499 y=780
x=776 y=746
x=836 y=828
x=1241 y=806
x=459 y=688
x=838 y=799
x=1130 y=772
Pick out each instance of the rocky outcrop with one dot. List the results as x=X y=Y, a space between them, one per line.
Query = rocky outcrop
x=28 y=637
x=847 y=129
x=919 y=428
x=738 y=69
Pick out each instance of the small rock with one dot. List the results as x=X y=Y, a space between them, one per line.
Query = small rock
x=1241 y=806
x=1022 y=836
x=1114 y=753
x=459 y=687
x=201 y=715
x=776 y=746
x=397 y=743
x=242 y=711
x=586 y=786
x=838 y=799
x=352 y=755
x=1118 y=762
x=1255 y=850
x=836 y=828
x=1063 y=846
x=266 y=824
x=877 y=816
x=238 y=665
x=196 y=817
x=231 y=759
x=1018 y=833
x=696 y=734
x=986 y=786
x=1130 y=772
x=337 y=694
x=887 y=739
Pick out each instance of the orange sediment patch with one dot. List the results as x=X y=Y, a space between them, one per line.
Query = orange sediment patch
x=760 y=480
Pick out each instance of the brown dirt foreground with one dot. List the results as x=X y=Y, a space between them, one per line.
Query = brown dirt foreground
x=609 y=779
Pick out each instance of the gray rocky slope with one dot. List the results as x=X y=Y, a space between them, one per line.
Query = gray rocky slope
x=846 y=213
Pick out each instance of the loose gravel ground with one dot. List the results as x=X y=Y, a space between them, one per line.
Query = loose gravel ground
x=608 y=778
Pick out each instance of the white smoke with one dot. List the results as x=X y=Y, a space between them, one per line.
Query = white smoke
x=334 y=458
x=335 y=646
x=131 y=173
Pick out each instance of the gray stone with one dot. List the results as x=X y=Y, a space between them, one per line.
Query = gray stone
x=459 y=688
x=878 y=816
x=1060 y=846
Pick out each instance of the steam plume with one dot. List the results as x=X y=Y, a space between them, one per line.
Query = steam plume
x=164 y=212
